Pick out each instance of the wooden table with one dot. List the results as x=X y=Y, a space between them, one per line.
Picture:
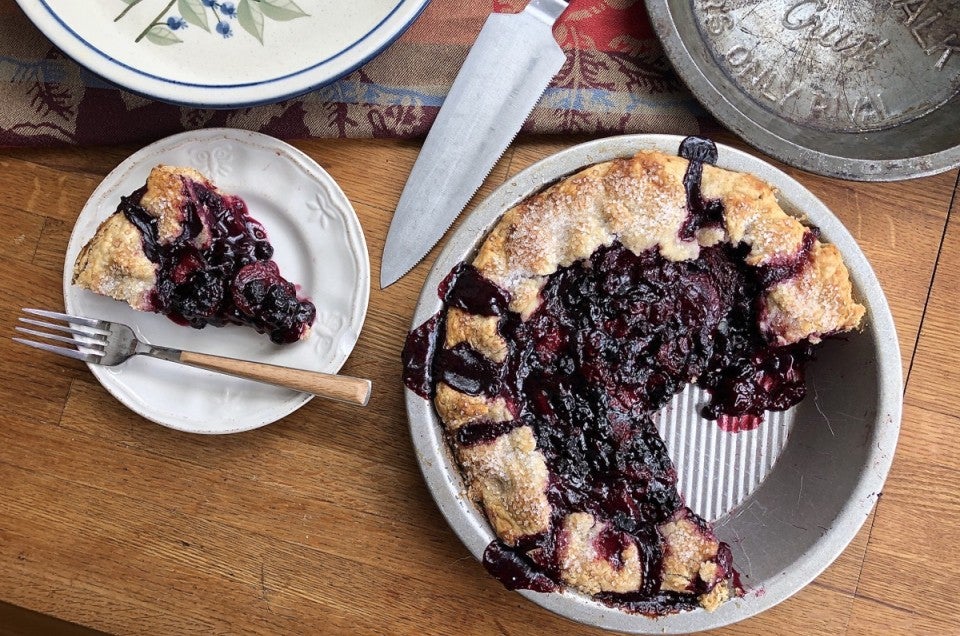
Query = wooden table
x=321 y=522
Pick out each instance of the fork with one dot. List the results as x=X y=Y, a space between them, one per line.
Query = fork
x=110 y=343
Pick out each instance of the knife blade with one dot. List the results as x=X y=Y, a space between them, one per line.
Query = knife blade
x=504 y=76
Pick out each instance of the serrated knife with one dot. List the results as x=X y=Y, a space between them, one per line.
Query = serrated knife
x=504 y=76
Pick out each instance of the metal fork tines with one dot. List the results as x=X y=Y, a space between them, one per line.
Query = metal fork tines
x=87 y=340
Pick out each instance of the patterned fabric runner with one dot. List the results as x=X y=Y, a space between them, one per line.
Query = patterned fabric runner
x=616 y=79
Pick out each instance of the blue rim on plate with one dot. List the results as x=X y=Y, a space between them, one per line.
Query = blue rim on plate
x=314 y=74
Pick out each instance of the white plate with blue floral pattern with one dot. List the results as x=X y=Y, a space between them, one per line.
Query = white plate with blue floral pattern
x=318 y=245
x=222 y=53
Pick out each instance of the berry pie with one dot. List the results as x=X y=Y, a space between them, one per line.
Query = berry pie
x=587 y=307
x=179 y=247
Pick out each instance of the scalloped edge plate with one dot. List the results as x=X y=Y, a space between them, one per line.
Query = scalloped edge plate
x=319 y=245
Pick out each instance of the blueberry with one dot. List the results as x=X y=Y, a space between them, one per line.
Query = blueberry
x=306 y=312
x=255 y=292
x=263 y=250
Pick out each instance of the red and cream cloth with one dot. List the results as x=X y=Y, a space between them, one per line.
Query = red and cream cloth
x=616 y=80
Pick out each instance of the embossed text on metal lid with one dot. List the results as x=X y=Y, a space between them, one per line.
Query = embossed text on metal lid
x=838 y=65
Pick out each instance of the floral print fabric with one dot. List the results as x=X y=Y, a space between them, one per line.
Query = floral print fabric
x=616 y=79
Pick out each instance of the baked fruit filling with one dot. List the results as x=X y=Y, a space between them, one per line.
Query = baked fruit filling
x=179 y=247
x=585 y=310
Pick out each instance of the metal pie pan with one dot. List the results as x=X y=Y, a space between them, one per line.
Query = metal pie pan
x=857 y=90
x=831 y=471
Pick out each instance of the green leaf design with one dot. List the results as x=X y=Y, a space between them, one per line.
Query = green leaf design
x=192 y=11
x=159 y=34
x=250 y=17
x=281 y=9
x=130 y=4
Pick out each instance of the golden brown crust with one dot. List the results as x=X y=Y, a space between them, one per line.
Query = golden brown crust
x=113 y=264
x=753 y=216
x=166 y=192
x=480 y=332
x=816 y=302
x=508 y=479
x=686 y=551
x=641 y=201
x=456 y=408
x=715 y=597
x=581 y=565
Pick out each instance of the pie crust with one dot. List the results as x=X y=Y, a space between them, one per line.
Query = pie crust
x=180 y=247
x=643 y=204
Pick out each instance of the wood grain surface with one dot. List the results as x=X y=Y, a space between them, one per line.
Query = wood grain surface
x=321 y=522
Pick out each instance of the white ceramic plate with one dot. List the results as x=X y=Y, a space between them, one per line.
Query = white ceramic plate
x=232 y=53
x=318 y=244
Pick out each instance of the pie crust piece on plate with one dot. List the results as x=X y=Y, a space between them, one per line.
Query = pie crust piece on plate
x=318 y=243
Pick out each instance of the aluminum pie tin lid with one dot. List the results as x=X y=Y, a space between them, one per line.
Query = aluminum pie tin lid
x=866 y=90
x=788 y=501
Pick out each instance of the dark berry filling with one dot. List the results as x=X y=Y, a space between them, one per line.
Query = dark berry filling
x=225 y=278
x=475 y=294
x=615 y=337
x=701 y=213
x=515 y=571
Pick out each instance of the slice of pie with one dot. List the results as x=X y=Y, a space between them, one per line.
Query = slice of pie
x=179 y=247
x=587 y=307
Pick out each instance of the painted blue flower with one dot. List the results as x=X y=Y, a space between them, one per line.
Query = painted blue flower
x=222 y=12
x=175 y=22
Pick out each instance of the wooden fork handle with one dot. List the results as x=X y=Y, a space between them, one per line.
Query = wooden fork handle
x=335 y=387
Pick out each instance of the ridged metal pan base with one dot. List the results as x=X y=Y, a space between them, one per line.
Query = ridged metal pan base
x=717 y=470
